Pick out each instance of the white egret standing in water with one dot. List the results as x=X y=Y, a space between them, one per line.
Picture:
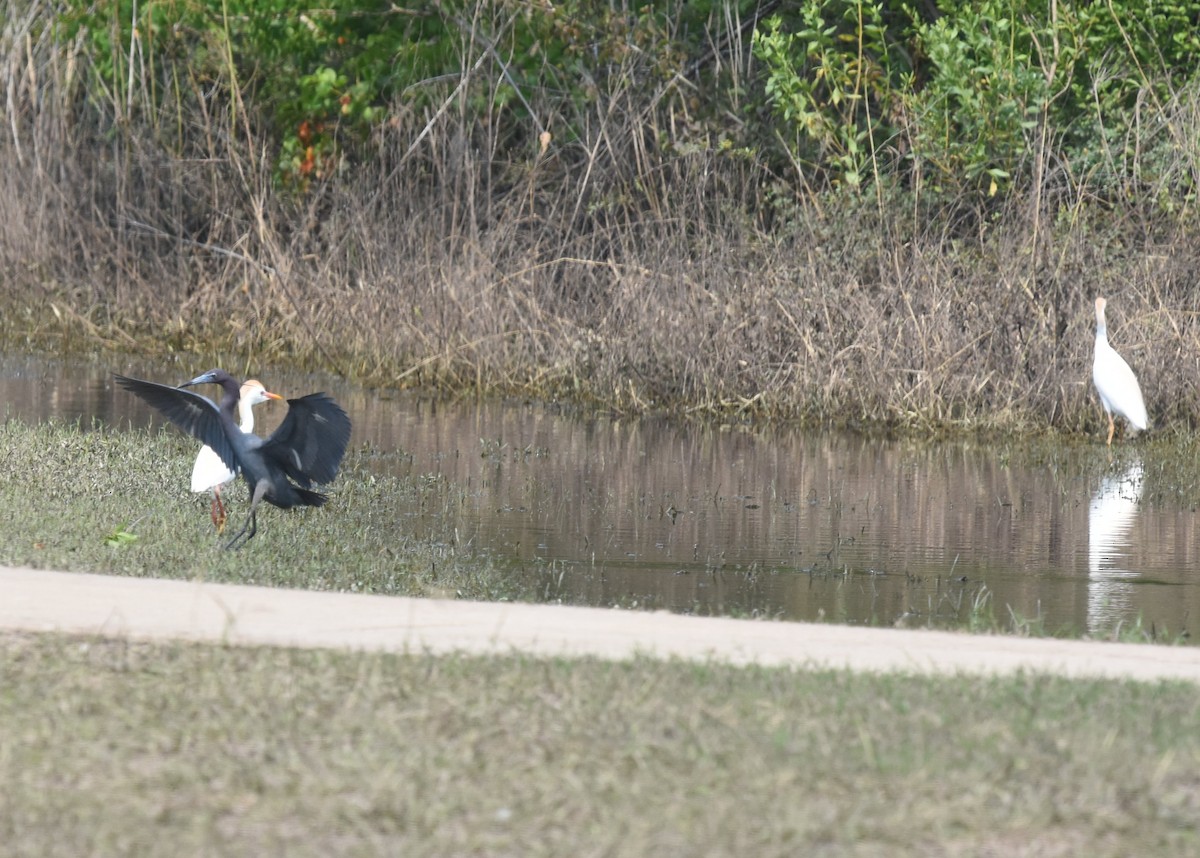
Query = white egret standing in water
x=1115 y=381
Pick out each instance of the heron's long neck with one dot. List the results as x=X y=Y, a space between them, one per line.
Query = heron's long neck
x=229 y=401
x=1101 y=333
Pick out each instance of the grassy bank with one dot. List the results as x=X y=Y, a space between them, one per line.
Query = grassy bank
x=113 y=747
x=117 y=502
x=649 y=253
x=856 y=317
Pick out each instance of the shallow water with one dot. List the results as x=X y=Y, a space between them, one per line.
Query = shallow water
x=753 y=521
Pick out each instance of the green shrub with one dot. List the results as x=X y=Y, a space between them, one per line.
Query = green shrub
x=971 y=98
x=320 y=79
x=832 y=82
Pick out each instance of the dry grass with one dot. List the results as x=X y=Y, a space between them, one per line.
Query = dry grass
x=608 y=269
x=111 y=747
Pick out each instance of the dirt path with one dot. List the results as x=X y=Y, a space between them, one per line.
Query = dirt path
x=152 y=609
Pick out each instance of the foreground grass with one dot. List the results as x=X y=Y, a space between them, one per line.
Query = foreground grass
x=117 y=748
x=118 y=502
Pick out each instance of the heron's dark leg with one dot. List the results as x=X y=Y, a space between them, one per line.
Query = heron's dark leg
x=1111 y=427
x=251 y=526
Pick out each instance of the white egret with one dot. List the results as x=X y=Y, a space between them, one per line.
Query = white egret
x=1115 y=381
x=209 y=472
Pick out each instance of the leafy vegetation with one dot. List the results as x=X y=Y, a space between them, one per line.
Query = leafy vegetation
x=974 y=96
x=318 y=81
x=965 y=96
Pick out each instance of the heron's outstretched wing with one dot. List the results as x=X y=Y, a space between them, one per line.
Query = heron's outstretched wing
x=311 y=441
x=195 y=414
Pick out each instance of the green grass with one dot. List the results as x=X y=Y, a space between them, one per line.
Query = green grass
x=117 y=748
x=118 y=502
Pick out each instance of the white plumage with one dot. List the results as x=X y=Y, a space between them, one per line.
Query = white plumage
x=209 y=472
x=1115 y=381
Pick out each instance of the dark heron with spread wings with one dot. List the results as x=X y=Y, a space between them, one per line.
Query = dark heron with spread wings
x=307 y=447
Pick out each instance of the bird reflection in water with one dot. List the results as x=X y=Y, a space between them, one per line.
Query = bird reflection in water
x=1111 y=516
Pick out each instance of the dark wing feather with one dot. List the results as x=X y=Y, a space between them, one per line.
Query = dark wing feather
x=311 y=440
x=195 y=414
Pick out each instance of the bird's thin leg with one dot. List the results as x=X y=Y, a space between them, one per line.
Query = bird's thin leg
x=1111 y=426
x=251 y=526
x=218 y=511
